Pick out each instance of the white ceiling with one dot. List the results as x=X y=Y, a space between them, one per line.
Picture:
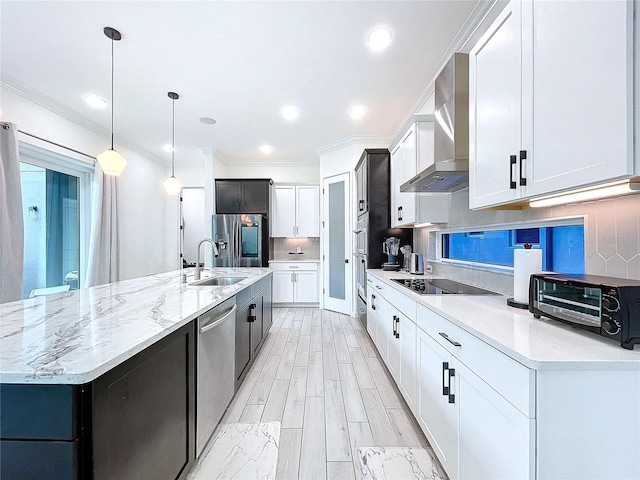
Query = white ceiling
x=238 y=62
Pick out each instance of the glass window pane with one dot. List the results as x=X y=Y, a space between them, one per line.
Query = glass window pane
x=336 y=241
x=52 y=229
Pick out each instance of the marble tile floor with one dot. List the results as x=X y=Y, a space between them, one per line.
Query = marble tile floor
x=398 y=463
x=240 y=451
x=320 y=376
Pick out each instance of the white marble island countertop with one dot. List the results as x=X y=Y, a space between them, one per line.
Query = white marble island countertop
x=540 y=344
x=74 y=337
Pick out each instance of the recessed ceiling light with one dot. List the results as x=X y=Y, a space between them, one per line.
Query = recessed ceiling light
x=379 y=39
x=266 y=149
x=357 y=111
x=207 y=120
x=94 y=100
x=290 y=112
x=167 y=147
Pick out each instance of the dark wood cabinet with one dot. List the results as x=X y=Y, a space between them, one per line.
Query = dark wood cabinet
x=144 y=412
x=135 y=421
x=253 y=320
x=242 y=195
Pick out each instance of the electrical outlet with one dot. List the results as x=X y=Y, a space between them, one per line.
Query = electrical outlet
x=428 y=268
x=298 y=249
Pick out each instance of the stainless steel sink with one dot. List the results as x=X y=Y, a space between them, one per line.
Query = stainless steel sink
x=217 y=281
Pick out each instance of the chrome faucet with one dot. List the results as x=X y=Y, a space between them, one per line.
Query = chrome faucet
x=198 y=269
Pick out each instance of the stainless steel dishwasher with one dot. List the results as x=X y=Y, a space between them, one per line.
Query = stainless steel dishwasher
x=215 y=368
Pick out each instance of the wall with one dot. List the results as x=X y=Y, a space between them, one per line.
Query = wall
x=612 y=236
x=147 y=217
x=278 y=172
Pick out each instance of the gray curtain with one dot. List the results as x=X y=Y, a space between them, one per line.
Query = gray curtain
x=11 y=223
x=103 y=242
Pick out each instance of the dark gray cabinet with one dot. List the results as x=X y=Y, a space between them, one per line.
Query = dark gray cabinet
x=253 y=320
x=242 y=195
x=135 y=421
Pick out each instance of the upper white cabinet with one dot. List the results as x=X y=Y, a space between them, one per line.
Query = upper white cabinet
x=295 y=211
x=551 y=100
x=409 y=156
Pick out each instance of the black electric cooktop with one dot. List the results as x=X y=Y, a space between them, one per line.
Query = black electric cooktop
x=440 y=286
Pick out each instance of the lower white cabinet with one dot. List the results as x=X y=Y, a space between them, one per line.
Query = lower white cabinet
x=407 y=331
x=437 y=417
x=295 y=282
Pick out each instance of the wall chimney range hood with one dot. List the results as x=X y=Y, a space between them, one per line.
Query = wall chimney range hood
x=450 y=171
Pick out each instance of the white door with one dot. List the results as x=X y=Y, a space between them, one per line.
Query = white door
x=283 y=215
x=308 y=211
x=495 y=108
x=306 y=286
x=336 y=234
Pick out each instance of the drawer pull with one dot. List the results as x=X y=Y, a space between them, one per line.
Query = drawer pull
x=445 y=388
x=452 y=342
x=378 y=287
x=452 y=396
x=523 y=156
x=397 y=325
x=395 y=332
x=512 y=162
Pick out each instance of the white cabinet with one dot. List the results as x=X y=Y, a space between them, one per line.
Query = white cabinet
x=437 y=417
x=295 y=211
x=472 y=402
x=295 y=282
x=550 y=100
x=409 y=156
x=408 y=384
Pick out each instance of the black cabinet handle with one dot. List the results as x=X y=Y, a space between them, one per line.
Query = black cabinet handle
x=397 y=325
x=252 y=313
x=446 y=337
x=445 y=388
x=373 y=306
x=361 y=205
x=394 y=325
x=399 y=213
x=523 y=156
x=452 y=396
x=363 y=260
x=512 y=162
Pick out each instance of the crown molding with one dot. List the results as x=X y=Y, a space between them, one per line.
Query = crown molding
x=65 y=112
x=353 y=140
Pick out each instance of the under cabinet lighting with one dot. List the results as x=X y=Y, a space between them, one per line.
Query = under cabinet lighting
x=420 y=225
x=585 y=195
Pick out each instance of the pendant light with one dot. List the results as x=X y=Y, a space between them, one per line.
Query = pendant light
x=172 y=185
x=111 y=162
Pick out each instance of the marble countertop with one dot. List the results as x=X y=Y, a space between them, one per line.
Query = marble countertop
x=542 y=344
x=74 y=337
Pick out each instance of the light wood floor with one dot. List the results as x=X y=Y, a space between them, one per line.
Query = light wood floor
x=319 y=374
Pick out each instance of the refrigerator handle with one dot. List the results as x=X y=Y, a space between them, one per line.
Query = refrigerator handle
x=238 y=241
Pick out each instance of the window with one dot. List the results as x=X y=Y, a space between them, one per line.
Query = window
x=55 y=200
x=562 y=246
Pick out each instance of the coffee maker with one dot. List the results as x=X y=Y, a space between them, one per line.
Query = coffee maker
x=391 y=247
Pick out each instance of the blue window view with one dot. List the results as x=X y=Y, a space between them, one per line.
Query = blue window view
x=562 y=247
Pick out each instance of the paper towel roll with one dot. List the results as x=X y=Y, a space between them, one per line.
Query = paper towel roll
x=526 y=262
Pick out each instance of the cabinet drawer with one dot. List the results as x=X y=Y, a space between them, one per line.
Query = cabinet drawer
x=294 y=266
x=401 y=302
x=512 y=380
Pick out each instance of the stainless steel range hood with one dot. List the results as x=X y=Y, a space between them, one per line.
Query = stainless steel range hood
x=450 y=170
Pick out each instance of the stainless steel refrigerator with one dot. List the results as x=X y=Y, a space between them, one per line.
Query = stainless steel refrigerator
x=242 y=240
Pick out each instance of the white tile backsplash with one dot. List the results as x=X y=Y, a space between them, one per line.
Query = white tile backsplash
x=612 y=237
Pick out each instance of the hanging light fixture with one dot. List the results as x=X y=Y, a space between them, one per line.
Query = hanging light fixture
x=111 y=162
x=172 y=185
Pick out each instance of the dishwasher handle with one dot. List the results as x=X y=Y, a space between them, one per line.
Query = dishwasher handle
x=217 y=322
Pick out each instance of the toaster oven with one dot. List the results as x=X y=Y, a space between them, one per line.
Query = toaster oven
x=606 y=306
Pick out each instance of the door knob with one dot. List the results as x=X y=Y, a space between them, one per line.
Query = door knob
x=346 y=260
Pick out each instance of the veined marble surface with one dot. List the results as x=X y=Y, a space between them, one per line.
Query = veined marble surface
x=74 y=337
x=542 y=344
x=399 y=463
x=241 y=451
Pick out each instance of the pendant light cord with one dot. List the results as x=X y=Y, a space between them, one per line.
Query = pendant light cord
x=112 y=70
x=173 y=137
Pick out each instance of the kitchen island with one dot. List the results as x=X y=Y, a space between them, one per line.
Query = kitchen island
x=99 y=379
x=500 y=394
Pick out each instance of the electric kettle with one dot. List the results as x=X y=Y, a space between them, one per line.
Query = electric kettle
x=416 y=266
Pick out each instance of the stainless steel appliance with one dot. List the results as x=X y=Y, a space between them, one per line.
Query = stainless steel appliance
x=215 y=368
x=416 y=264
x=607 y=306
x=242 y=240
x=440 y=286
x=450 y=170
